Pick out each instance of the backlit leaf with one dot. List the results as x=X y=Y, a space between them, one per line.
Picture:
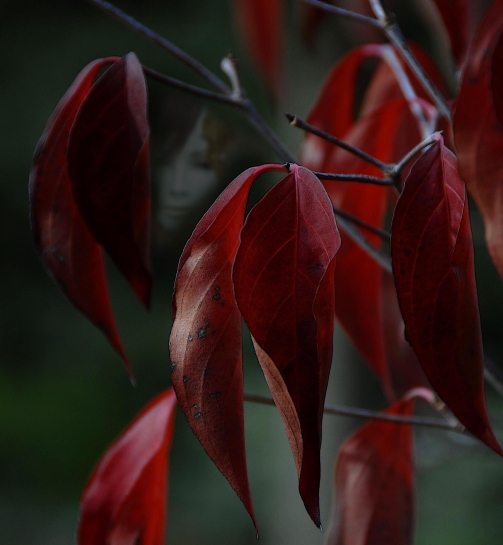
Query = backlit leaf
x=374 y=484
x=261 y=26
x=124 y=502
x=432 y=256
x=478 y=128
x=108 y=158
x=205 y=342
x=284 y=283
x=66 y=247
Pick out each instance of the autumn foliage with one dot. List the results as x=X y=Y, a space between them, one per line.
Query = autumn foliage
x=314 y=249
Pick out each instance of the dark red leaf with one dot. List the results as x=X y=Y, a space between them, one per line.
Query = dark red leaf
x=124 y=501
x=205 y=342
x=260 y=25
x=374 y=484
x=108 y=158
x=384 y=133
x=63 y=241
x=432 y=255
x=284 y=283
x=478 y=128
x=454 y=14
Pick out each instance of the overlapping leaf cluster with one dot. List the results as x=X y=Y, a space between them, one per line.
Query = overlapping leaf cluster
x=415 y=322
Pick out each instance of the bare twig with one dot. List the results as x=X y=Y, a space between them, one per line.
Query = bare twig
x=357 y=221
x=362 y=178
x=341 y=410
x=395 y=36
x=301 y=124
x=188 y=88
x=176 y=52
x=396 y=170
x=345 y=13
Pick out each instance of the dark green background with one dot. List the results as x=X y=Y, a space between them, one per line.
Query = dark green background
x=64 y=394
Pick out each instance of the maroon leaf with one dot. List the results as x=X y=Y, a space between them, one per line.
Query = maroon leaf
x=205 y=342
x=284 y=283
x=124 y=501
x=454 y=14
x=63 y=241
x=478 y=130
x=432 y=255
x=260 y=25
x=108 y=158
x=374 y=484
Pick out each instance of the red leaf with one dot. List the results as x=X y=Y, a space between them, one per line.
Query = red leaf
x=124 y=501
x=478 y=128
x=334 y=111
x=284 y=285
x=260 y=25
x=205 y=342
x=63 y=241
x=454 y=14
x=360 y=305
x=432 y=255
x=374 y=484
x=108 y=159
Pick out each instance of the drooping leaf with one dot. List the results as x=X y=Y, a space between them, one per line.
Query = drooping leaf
x=66 y=247
x=205 y=342
x=261 y=26
x=374 y=484
x=284 y=284
x=478 y=128
x=432 y=256
x=454 y=14
x=124 y=501
x=108 y=159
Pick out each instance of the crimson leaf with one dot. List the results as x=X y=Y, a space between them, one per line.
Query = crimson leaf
x=478 y=131
x=432 y=257
x=205 y=342
x=284 y=283
x=124 y=501
x=108 y=159
x=63 y=241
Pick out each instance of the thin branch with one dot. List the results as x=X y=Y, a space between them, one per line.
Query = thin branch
x=380 y=257
x=362 y=178
x=389 y=55
x=395 y=36
x=341 y=410
x=396 y=170
x=191 y=89
x=178 y=53
x=345 y=13
x=357 y=221
x=301 y=124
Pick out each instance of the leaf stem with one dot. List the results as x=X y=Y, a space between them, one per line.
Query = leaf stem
x=342 y=410
x=395 y=36
x=345 y=13
x=178 y=53
x=301 y=124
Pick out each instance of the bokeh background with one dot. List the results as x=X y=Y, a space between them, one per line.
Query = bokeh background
x=64 y=394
